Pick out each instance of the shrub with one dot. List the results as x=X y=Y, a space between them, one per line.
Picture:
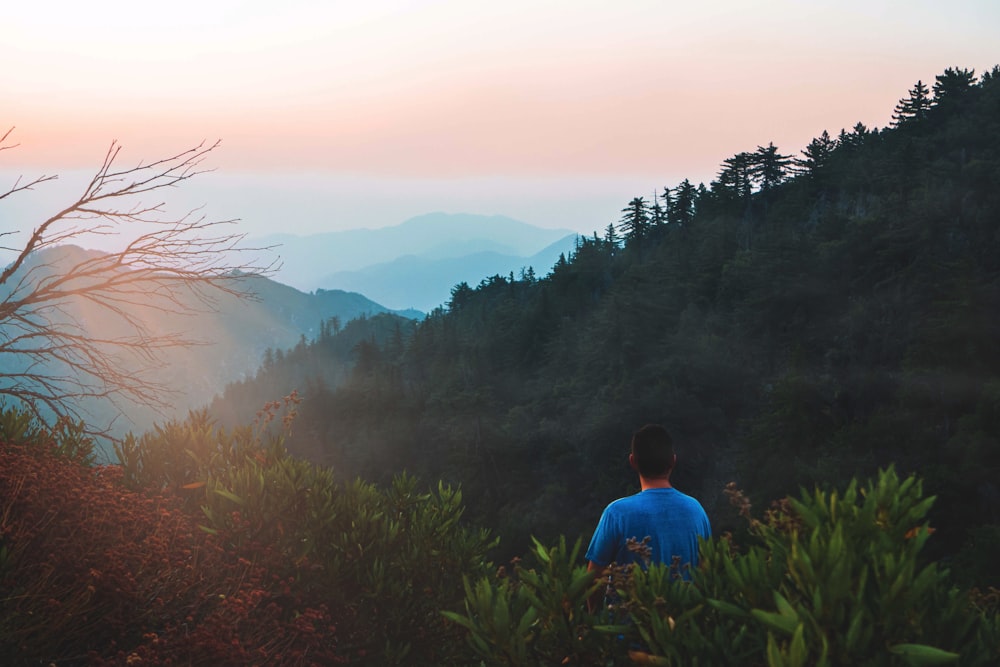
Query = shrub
x=539 y=615
x=829 y=579
x=383 y=561
x=206 y=548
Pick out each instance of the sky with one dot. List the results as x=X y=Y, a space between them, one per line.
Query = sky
x=336 y=115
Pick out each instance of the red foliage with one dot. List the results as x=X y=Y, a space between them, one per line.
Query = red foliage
x=92 y=572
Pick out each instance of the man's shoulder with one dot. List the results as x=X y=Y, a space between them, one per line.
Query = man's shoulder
x=668 y=497
x=682 y=497
x=624 y=502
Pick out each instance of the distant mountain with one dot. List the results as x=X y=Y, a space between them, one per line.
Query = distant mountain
x=232 y=338
x=425 y=281
x=307 y=260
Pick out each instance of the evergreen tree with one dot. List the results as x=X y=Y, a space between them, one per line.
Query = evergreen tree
x=635 y=222
x=769 y=167
x=658 y=213
x=682 y=208
x=914 y=107
x=460 y=295
x=735 y=178
x=952 y=83
x=268 y=363
x=611 y=236
x=816 y=155
x=854 y=138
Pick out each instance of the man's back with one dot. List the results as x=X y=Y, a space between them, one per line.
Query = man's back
x=672 y=520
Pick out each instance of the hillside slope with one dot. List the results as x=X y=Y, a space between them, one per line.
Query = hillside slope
x=790 y=327
x=232 y=337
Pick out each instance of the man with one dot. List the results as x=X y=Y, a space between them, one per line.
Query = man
x=672 y=521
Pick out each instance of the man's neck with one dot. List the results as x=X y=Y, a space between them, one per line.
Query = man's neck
x=654 y=483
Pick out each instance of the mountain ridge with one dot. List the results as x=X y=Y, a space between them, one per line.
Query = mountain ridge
x=232 y=336
x=425 y=283
x=308 y=259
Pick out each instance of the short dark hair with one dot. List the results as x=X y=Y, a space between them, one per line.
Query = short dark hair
x=653 y=451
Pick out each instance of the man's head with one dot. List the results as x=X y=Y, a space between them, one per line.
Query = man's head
x=652 y=453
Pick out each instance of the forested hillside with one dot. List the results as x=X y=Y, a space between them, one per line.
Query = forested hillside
x=800 y=319
x=229 y=334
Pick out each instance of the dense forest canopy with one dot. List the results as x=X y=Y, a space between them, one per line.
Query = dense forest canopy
x=802 y=318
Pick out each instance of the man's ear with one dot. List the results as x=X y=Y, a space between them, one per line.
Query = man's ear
x=631 y=462
x=673 y=462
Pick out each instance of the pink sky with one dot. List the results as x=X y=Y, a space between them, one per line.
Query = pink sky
x=345 y=114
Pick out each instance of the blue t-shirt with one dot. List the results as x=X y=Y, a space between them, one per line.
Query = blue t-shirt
x=674 y=522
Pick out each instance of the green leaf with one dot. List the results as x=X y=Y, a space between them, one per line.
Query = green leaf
x=785 y=624
x=458 y=618
x=229 y=495
x=774 y=655
x=798 y=652
x=728 y=608
x=922 y=654
x=784 y=608
x=854 y=631
x=541 y=551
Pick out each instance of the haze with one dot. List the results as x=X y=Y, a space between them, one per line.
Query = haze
x=337 y=115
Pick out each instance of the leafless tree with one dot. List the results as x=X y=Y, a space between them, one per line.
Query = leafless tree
x=52 y=357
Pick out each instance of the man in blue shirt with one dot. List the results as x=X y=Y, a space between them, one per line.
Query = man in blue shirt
x=671 y=520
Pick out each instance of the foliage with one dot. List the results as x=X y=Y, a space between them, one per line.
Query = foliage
x=390 y=558
x=852 y=587
x=829 y=578
x=537 y=615
x=95 y=572
x=260 y=559
x=65 y=439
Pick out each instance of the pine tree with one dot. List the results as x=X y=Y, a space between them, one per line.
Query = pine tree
x=682 y=208
x=611 y=235
x=658 y=214
x=635 y=222
x=914 y=107
x=461 y=294
x=855 y=138
x=735 y=175
x=769 y=167
x=952 y=83
x=816 y=155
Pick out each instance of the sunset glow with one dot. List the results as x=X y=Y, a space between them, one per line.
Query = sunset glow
x=431 y=92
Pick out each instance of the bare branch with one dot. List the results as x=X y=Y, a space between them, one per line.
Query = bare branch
x=81 y=325
x=3 y=140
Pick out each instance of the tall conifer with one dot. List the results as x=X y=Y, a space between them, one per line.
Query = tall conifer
x=914 y=107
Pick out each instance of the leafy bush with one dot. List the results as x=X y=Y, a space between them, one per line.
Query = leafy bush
x=829 y=579
x=215 y=548
x=66 y=439
x=538 y=615
x=386 y=561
